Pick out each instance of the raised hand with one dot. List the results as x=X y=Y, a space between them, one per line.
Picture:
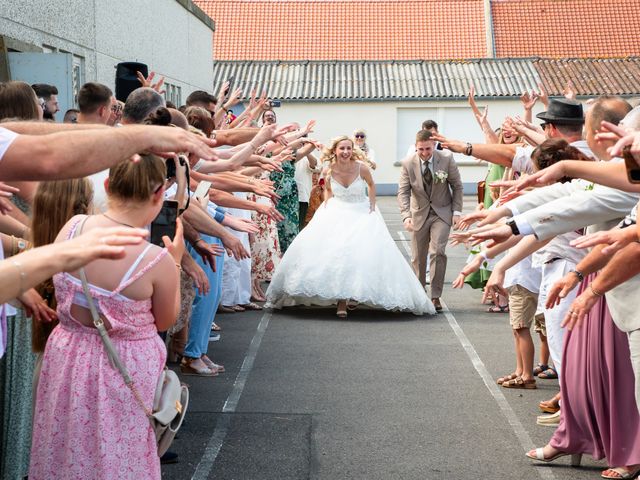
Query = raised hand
x=498 y=234
x=529 y=100
x=473 y=266
x=580 y=308
x=208 y=252
x=148 y=82
x=561 y=289
x=222 y=93
x=309 y=127
x=542 y=95
x=234 y=247
x=234 y=99
x=495 y=284
x=240 y=224
x=195 y=271
x=467 y=220
x=166 y=141
x=176 y=246
x=455 y=146
x=615 y=240
x=270 y=211
x=6 y=192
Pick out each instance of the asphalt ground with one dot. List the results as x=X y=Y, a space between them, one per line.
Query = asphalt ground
x=379 y=395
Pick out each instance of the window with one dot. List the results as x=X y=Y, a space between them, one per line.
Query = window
x=173 y=93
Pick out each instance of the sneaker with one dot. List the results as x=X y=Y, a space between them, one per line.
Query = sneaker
x=552 y=420
x=214 y=336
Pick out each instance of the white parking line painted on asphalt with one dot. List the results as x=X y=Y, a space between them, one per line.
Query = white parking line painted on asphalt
x=222 y=427
x=492 y=386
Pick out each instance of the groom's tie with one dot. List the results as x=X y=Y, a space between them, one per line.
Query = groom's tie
x=427 y=178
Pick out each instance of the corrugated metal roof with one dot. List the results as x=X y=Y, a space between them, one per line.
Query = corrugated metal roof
x=602 y=76
x=356 y=81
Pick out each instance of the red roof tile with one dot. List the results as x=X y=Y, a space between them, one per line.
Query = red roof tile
x=346 y=29
x=566 y=28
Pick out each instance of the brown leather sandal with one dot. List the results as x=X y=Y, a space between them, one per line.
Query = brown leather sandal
x=187 y=368
x=506 y=378
x=519 y=382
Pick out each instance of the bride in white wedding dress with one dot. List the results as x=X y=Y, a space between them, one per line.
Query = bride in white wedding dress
x=346 y=252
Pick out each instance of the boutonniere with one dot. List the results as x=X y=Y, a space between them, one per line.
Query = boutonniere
x=441 y=176
x=589 y=187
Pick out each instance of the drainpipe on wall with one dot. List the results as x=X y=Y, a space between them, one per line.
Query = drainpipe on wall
x=488 y=24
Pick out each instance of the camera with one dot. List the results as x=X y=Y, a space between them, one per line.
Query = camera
x=275 y=103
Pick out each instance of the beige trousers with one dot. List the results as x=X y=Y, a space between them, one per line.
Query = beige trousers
x=431 y=239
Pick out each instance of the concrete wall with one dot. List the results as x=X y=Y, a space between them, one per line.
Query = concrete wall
x=389 y=133
x=161 y=33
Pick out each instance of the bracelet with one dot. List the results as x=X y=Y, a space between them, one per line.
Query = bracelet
x=595 y=292
x=469 y=150
x=199 y=239
x=483 y=254
x=23 y=276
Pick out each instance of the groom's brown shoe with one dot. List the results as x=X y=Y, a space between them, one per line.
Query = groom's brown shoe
x=437 y=304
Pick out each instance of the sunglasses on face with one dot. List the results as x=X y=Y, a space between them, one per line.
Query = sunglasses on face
x=360 y=135
x=543 y=125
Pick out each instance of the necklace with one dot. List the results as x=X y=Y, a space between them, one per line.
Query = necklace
x=116 y=221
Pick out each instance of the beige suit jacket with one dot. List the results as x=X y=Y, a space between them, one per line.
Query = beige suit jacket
x=446 y=197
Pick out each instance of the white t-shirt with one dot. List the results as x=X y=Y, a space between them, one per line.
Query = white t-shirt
x=6 y=139
x=304 y=179
x=524 y=273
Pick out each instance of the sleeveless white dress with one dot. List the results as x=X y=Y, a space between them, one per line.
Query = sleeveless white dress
x=346 y=252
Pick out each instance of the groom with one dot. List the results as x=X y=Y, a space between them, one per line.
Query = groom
x=430 y=198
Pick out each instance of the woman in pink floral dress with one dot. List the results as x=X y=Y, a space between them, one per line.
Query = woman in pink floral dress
x=265 y=248
x=87 y=423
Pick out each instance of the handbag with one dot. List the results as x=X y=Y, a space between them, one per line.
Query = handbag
x=171 y=398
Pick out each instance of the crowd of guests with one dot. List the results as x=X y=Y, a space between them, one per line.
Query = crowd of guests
x=79 y=202
x=556 y=246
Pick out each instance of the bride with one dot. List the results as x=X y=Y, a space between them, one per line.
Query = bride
x=346 y=252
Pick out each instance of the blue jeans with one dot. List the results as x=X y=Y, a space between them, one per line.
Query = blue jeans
x=204 y=306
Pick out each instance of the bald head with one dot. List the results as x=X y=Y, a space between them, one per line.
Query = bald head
x=609 y=109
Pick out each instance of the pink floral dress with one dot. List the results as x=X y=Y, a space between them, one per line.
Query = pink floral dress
x=87 y=423
x=265 y=246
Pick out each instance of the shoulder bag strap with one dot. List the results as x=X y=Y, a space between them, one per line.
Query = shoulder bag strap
x=104 y=336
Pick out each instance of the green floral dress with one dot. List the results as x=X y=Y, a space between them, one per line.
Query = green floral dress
x=286 y=187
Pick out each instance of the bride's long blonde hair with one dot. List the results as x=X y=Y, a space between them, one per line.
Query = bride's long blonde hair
x=329 y=153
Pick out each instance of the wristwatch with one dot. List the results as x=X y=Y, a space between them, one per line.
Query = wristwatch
x=580 y=275
x=512 y=225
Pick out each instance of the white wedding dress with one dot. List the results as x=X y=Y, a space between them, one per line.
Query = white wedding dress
x=345 y=252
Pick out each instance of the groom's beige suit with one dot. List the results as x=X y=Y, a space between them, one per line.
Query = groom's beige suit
x=431 y=208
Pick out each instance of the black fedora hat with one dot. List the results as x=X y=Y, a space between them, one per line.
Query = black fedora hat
x=563 y=112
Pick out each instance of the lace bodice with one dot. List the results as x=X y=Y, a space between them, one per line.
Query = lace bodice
x=355 y=192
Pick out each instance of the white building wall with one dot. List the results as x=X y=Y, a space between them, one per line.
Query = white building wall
x=389 y=133
x=161 y=33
